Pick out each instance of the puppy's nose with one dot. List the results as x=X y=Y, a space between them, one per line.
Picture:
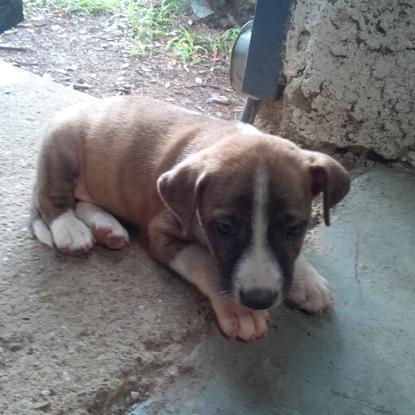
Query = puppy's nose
x=258 y=298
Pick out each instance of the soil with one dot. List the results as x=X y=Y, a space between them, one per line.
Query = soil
x=93 y=54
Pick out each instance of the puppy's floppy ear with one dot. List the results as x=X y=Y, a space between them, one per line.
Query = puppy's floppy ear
x=180 y=189
x=330 y=177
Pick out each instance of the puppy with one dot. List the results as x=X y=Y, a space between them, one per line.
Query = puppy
x=223 y=204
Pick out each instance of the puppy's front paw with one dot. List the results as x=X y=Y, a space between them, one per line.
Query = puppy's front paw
x=106 y=229
x=109 y=232
x=70 y=235
x=238 y=322
x=310 y=292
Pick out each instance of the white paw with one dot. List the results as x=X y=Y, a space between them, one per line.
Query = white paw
x=238 y=322
x=70 y=235
x=105 y=228
x=310 y=291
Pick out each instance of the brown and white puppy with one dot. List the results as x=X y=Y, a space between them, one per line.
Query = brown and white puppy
x=224 y=205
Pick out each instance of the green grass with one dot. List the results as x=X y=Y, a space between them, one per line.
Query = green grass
x=188 y=47
x=151 y=20
x=191 y=48
x=153 y=25
x=89 y=7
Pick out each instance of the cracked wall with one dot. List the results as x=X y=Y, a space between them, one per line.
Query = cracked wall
x=350 y=70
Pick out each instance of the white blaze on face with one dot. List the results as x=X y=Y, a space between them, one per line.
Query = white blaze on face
x=258 y=268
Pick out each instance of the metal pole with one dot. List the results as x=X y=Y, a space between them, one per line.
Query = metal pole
x=250 y=111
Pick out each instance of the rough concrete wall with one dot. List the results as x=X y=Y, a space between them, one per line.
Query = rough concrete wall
x=350 y=68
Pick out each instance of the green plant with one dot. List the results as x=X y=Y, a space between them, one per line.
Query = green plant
x=187 y=47
x=150 y=20
x=89 y=7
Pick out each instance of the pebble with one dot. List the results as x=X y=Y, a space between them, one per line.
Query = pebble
x=199 y=81
x=15 y=347
x=82 y=397
x=41 y=405
x=45 y=394
x=134 y=395
x=218 y=99
x=81 y=87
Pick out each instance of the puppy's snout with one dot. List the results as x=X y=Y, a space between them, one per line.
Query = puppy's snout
x=258 y=298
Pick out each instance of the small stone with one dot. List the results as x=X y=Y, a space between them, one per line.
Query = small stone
x=201 y=8
x=82 y=397
x=45 y=394
x=348 y=156
x=218 y=99
x=41 y=405
x=15 y=347
x=199 y=81
x=134 y=395
x=81 y=87
x=1 y=349
x=411 y=157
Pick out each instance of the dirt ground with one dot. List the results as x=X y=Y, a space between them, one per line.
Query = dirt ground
x=93 y=54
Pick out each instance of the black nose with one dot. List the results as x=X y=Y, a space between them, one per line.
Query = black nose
x=258 y=298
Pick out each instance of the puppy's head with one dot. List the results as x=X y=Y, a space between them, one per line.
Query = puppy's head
x=252 y=197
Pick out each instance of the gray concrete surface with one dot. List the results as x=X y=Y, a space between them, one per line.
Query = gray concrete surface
x=359 y=359
x=350 y=69
x=77 y=335
x=95 y=334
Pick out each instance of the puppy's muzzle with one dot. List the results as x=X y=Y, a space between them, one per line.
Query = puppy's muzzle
x=259 y=298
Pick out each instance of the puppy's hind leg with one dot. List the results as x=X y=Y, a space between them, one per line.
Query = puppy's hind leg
x=58 y=169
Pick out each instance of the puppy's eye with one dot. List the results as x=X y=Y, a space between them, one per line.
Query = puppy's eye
x=223 y=228
x=294 y=230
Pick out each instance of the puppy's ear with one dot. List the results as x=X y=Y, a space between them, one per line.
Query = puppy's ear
x=180 y=189
x=330 y=177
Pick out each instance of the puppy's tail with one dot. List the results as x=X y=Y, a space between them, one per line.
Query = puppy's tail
x=39 y=228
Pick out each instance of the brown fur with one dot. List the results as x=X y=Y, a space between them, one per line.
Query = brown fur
x=171 y=171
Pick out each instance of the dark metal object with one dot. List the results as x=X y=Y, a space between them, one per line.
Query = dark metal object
x=251 y=109
x=11 y=13
x=264 y=64
x=239 y=56
x=256 y=64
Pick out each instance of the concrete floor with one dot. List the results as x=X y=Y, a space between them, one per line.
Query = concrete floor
x=102 y=331
x=359 y=359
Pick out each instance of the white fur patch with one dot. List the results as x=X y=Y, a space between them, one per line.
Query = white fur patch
x=70 y=234
x=247 y=128
x=196 y=265
x=309 y=290
x=97 y=218
x=42 y=232
x=258 y=268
